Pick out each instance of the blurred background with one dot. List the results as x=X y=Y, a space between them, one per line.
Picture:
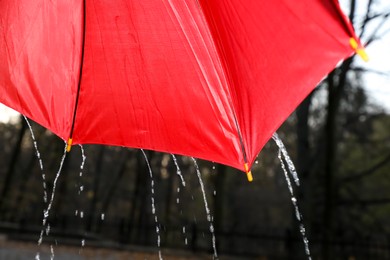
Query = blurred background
x=338 y=137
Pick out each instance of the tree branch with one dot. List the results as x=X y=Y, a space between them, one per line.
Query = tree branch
x=381 y=73
x=366 y=19
x=368 y=202
x=366 y=172
x=373 y=35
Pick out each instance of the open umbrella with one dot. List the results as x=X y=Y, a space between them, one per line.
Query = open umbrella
x=205 y=78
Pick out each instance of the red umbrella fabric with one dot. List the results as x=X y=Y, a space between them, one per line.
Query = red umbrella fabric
x=204 y=78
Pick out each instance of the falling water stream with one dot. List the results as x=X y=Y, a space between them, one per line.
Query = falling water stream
x=81 y=186
x=209 y=218
x=38 y=154
x=282 y=155
x=178 y=172
x=290 y=164
x=83 y=160
x=298 y=215
x=154 y=206
x=46 y=212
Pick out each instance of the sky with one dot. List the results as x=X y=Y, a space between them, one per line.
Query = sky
x=7 y=115
x=377 y=82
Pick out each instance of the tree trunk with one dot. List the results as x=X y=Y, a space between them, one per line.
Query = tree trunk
x=336 y=84
x=11 y=167
x=304 y=159
x=172 y=179
x=96 y=185
x=138 y=223
x=219 y=200
x=111 y=190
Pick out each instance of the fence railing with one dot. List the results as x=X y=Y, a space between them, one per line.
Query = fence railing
x=271 y=243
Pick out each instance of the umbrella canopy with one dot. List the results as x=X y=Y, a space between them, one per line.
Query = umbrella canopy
x=205 y=78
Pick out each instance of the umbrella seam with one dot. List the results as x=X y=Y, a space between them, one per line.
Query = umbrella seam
x=81 y=70
x=228 y=82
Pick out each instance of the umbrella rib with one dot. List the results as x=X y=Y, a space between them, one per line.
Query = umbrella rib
x=70 y=140
x=215 y=39
x=246 y=162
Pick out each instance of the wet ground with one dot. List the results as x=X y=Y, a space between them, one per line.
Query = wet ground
x=19 y=250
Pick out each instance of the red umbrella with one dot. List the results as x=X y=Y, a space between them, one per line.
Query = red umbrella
x=203 y=78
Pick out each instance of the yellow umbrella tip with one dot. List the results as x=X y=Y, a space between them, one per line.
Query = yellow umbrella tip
x=248 y=172
x=69 y=145
x=249 y=176
x=358 y=49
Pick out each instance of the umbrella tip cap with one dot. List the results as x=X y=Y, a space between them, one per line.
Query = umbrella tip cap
x=69 y=144
x=249 y=176
x=359 y=49
x=248 y=172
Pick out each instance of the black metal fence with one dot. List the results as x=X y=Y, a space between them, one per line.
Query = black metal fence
x=196 y=237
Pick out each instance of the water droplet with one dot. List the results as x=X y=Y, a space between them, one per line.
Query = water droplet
x=211 y=228
x=102 y=216
x=47 y=230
